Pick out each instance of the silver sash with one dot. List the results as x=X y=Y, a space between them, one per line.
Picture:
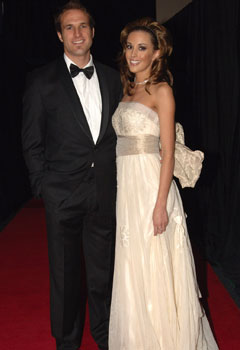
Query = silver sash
x=128 y=145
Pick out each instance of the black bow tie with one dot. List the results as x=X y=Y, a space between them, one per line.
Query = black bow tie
x=75 y=70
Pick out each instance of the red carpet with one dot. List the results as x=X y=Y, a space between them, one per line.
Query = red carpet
x=24 y=303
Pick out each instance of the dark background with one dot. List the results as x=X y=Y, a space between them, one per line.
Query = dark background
x=205 y=65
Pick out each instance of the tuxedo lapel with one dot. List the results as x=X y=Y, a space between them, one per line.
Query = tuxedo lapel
x=75 y=102
x=105 y=100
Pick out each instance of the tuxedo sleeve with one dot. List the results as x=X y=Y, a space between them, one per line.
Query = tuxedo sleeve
x=120 y=89
x=33 y=133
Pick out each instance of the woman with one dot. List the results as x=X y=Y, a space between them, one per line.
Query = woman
x=155 y=300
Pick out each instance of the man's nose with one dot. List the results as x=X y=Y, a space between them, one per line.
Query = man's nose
x=78 y=32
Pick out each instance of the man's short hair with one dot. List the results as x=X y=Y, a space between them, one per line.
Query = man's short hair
x=72 y=5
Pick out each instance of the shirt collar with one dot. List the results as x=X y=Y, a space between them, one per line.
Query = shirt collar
x=69 y=61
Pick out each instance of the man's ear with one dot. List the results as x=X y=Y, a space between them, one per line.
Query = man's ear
x=60 y=36
x=93 y=32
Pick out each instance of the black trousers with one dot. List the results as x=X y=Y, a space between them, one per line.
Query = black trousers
x=81 y=242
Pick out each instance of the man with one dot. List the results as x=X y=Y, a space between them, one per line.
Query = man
x=69 y=147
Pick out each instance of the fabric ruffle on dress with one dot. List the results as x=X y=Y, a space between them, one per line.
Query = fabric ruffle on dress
x=188 y=163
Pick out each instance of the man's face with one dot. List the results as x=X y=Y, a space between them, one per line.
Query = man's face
x=76 y=35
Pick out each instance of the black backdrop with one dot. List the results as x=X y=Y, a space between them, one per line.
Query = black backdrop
x=206 y=69
x=206 y=64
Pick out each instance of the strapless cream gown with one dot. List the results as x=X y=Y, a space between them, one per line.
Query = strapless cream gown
x=155 y=299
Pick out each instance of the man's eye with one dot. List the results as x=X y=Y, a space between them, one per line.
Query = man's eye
x=69 y=27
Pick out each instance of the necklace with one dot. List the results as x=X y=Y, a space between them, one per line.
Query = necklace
x=141 y=82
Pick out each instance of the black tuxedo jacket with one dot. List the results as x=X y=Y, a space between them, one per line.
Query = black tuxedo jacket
x=64 y=163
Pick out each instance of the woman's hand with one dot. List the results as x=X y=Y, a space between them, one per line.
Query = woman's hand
x=160 y=219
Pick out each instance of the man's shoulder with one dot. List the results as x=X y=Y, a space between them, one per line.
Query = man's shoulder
x=47 y=68
x=105 y=68
x=45 y=72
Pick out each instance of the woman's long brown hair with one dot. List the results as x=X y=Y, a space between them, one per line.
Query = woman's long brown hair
x=161 y=40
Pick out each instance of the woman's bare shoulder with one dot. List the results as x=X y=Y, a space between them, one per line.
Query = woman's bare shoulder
x=162 y=90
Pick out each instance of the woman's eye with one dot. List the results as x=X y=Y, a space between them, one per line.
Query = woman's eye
x=129 y=47
x=142 y=48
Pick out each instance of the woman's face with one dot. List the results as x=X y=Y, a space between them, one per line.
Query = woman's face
x=140 y=53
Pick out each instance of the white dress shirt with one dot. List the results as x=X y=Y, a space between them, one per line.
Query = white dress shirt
x=89 y=94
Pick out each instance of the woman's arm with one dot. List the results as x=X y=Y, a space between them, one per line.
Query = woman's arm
x=165 y=105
